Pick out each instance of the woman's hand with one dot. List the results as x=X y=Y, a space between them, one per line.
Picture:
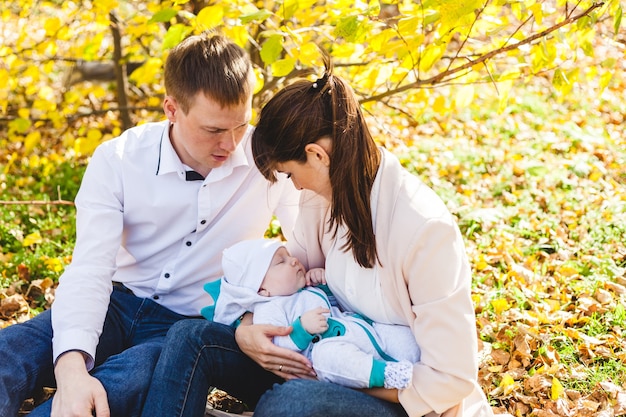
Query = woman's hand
x=255 y=340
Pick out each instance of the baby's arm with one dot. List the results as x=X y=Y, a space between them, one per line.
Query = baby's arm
x=315 y=321
x=316 y=276
x=307 y=326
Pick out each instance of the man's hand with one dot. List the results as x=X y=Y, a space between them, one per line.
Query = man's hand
x=315 y=321
x=255 y=340
x=78 y=393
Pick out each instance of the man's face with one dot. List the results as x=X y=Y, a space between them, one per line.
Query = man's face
x=208 y=134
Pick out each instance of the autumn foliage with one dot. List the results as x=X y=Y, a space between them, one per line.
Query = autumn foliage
x=513 y=111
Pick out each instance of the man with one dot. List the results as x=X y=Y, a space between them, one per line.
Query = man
x=156 y=207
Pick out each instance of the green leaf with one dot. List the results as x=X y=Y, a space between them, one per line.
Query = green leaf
x=175 y=34
x=164 y=15
x=617 y=22
x=19 y=125
x=454 y=12
x=346 y=28
x=283 y=67
x=351 y=28
x=257 y=17
x=538 y=170
x=288 y=9
x=272 y=49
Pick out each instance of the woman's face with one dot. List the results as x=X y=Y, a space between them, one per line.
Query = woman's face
x=312 y=174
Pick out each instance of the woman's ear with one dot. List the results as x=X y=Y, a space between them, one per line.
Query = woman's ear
x=316 y=153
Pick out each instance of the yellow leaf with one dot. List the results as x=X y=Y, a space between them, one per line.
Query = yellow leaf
x=507 y=383
x=506 y=380
x=52 y=25
x=238 y=34
x=94 y=135
x=439 y=105
x=147 y=71
x=557 y=389
x=537 y=12
x=54 y=264
x=604 y=80
x=32 y=239
x=408 y=26
x=481 y=264
x=309 y=54
x=567 y=271
x=380 y=41
x=44 y=105
x=455 y=13
x=504 y=88
x=431 y=55
x=500 y=305
x=210 y=17
x=595 y=175
x=32 y=140
x=555 y=305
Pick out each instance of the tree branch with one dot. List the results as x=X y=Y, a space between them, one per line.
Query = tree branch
x=120 y=71
x=441 y=76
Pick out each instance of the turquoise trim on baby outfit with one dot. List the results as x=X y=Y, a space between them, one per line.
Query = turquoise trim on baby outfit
x=300 y=336
x=213 y=288
x=377 y=376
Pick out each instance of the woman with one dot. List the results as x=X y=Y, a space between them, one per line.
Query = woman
x=392 y=252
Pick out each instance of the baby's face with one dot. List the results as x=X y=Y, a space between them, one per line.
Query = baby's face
x=285 y=275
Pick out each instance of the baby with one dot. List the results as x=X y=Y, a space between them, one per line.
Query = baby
x=261 y=277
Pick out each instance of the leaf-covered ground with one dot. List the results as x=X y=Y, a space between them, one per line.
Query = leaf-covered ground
x=540 y=195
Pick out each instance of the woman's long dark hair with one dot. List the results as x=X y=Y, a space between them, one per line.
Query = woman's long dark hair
x=304 y=112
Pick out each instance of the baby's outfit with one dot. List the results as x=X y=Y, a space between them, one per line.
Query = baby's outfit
x=353 y=352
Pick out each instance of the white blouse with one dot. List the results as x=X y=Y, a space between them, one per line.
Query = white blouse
x=356 y=288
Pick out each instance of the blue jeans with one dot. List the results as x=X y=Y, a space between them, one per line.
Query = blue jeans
x=200 y=354
x=129 y=347
x=304 y=398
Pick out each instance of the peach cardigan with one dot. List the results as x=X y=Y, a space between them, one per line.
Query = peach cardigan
x=426 y=277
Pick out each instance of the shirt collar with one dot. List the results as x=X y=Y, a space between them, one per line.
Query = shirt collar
x=169 y=160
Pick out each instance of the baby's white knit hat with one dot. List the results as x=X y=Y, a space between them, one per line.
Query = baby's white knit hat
x=245 y=265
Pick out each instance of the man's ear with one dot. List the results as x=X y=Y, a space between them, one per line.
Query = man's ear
x=170 y=107
x=316 y=153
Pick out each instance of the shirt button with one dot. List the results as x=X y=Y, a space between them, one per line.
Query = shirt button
x=167 y=275
x=155 y=297
x=188 y=243
x=203 y=222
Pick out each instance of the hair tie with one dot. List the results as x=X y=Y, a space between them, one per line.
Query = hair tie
x=320 y=82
